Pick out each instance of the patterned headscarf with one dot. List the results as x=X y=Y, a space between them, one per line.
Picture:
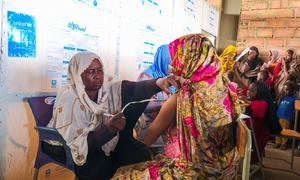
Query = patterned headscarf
x=160 y=64
x=206 y=107
x=228 y=65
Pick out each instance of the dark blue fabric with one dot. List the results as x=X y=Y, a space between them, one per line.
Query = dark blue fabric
x=286 y=107
x=161 y=63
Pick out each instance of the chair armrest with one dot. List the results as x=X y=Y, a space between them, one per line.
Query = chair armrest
x=290 y=133
x=45 y=129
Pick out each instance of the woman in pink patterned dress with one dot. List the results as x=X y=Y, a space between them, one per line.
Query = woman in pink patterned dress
x=205 y=112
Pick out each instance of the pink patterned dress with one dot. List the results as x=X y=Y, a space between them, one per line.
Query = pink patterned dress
x=171 y=148
x=206 y=110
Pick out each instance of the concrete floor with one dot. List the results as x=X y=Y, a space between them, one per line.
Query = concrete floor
x=275 y=174
x=59 y=173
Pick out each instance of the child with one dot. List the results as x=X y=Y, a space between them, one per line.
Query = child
x=263 y=75
x=231 y=78
x=285 y=110
x=262 y=112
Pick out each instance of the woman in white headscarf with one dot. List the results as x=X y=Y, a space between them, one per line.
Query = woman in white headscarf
x=274 y=58
x=246 y=69
x=271 y=68
x=87 y=113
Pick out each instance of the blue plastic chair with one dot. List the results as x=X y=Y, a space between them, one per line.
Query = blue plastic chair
x=42 y=108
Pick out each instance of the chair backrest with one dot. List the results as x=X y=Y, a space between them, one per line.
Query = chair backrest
x=42 y=108
x=297 y=105
x=246 y=150
x=297 y=108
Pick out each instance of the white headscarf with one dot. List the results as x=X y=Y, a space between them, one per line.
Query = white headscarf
x=275 y=58
x=275 y=55
x=75 y=114
x=79 y=63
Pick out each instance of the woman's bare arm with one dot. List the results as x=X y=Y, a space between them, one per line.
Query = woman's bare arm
x=166 y=115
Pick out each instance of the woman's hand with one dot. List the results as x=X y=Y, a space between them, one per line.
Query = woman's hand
x=264 y=66
x=235 y=66
x=229 y=56
x=171 y=80
x=284 y=66
x=116 y=123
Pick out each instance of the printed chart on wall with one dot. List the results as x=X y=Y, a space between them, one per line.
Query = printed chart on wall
x=142 y=34
x=63 y=40
x=187 y=17
x=210 y=22
x=66 y=35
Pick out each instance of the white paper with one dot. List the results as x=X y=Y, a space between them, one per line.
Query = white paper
x=244 y=116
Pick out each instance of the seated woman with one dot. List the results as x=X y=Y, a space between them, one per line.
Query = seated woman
x=273 y=61
x=273 y=67
x=263 y=75
x=263 y=113
x=290 y=70
x=205 y=110
x=87 y=113
x=246 y=69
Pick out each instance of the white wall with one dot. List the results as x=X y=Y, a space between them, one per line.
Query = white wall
x=228 y=30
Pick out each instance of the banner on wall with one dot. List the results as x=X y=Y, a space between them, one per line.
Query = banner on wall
x=21 y=35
